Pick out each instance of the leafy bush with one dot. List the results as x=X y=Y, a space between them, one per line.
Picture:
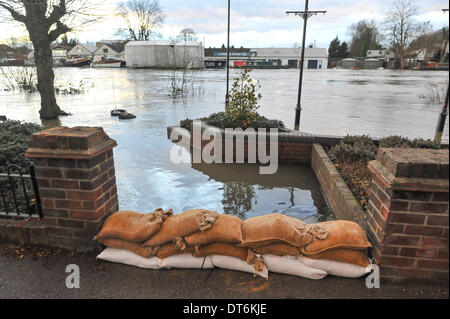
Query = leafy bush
x=402 y=142
x=14 y=141
x=353 y=148
x=223 y=120
x=243 y=99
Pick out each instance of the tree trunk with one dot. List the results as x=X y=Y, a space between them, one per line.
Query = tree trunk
x=44 y=66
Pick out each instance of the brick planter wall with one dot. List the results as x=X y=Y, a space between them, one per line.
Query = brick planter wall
x=408 y=213
x=340 y=198
x=76 y=178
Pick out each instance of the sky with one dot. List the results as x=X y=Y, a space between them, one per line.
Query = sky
x=254 y=23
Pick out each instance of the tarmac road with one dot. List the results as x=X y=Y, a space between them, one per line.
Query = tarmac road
x=40 y=274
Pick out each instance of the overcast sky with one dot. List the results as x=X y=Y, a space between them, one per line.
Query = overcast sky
x=259 y=23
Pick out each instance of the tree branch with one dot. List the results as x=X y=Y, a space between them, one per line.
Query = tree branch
x=57 y=13
x=61 y=28
x=14 y=14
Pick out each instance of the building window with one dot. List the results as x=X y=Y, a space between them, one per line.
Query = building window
x=105 y=50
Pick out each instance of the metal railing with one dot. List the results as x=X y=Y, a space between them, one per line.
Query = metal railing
x=19 y=193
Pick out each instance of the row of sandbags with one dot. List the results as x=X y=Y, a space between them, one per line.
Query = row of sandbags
x=202 y=238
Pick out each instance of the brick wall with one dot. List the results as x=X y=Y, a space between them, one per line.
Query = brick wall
x=76 y=178
x=408 y=213
x=339 y=197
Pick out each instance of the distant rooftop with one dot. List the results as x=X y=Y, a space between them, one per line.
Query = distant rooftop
x=165 y=42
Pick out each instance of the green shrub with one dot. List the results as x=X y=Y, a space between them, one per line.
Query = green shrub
x=14 y=141
x=353 y=148
x=402 y=142
x=243 y=99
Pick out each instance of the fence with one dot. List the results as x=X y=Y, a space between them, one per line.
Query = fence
x=19 y=193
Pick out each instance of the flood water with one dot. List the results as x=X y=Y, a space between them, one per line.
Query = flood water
x=335 y=102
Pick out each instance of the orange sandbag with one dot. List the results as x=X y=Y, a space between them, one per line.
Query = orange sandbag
x=345 y=255
x=226 y=229
x=278 y=249
x=133 y=226
x=136 y=248
x=341 y=234
x=182 y=225
x=224 y=249
x=170 y=249
x=275 y=228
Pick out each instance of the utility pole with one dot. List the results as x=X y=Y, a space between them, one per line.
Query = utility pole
x=228 y=57
x=306 y=14
x=443 y=115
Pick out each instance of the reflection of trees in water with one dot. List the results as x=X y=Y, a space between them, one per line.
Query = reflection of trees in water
x=237 y=199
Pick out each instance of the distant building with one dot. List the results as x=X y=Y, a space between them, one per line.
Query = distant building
x=164 y=54
x=83 y=50
x=371 y=63
x=349 y=63
x=315 y=58
x=217 y=57
x=110 y=49
x=381 y=54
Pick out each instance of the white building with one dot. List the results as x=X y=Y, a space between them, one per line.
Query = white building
x=164 y=54
x=315 y=58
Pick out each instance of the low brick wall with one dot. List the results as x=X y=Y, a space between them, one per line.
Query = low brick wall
x=408 y=215
x=339 y=197
x=76 y=177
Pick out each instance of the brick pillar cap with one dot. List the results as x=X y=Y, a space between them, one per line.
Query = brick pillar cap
x=80 y=142
x=412 y=169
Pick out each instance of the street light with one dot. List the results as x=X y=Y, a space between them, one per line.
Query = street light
x=228 y=57
x=306 y=14
x=443 y=115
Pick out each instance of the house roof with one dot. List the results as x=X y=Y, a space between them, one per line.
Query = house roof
x=90 y=47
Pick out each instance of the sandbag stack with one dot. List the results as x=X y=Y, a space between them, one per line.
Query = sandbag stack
x=272 y=242
x=129 y=230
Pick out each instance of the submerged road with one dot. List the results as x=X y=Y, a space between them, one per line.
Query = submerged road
x=39 y=274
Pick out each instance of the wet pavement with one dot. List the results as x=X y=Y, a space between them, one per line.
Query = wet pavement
x=31 y=276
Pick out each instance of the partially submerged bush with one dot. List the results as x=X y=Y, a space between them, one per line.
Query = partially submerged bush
x=402 y=142
x=14 y=141
x=223 y=120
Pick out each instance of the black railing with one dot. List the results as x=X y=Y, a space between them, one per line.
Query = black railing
x=19 y=193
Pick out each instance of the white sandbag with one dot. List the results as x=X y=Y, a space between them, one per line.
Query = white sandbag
x=233 y=263
x=187 y=261
x=337 y=268
x=291 y=265
x=127 y=257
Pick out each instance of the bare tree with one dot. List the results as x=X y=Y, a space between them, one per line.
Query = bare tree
x=141 y=18
x=402 y=28
x=46 y=21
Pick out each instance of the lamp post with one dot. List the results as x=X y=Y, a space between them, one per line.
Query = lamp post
x=443 y=115
x=306 y=14
x=228 y=57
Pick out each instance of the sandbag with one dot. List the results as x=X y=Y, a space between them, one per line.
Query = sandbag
x=182 y=225
x=233 y=263
x=292 y=265
x=226 y=229
x=170 y=249
x=224 y=249
x=187 y=261
x=127 y=257
x=337 y=268
x=132 y=226
x=128 y=245
x=278 y=249
x=275 y=228
x=345 y=255
x=341 y=234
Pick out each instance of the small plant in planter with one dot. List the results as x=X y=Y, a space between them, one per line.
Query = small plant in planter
x=243 y=99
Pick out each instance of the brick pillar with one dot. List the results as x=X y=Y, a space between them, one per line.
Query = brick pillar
x=407 y=218
x=76 y=178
